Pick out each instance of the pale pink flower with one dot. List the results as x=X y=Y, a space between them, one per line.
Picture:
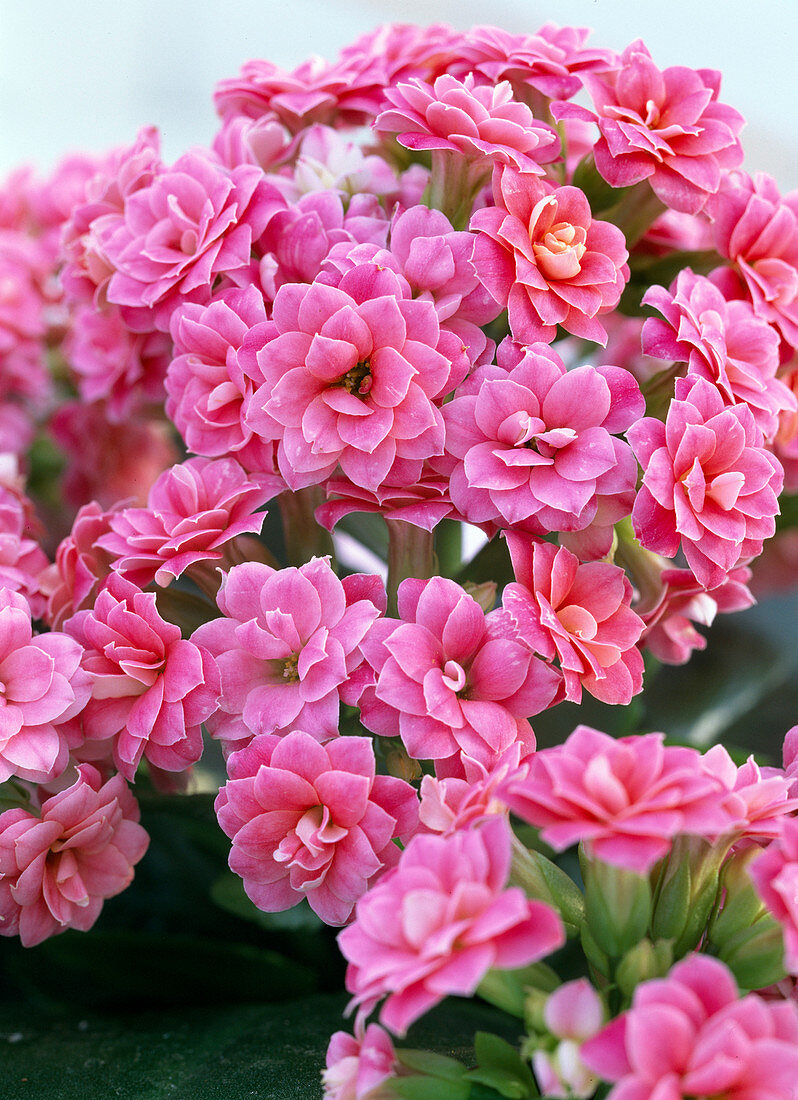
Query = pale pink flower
x=151 y=689
x=42 y=686
x=193 y=510
x=536 y=446
x=624 y=799
x=450 y=678
x=312 y=821
x=775 y=875
x=690 y=1034
x=437 y=923
x=479 y=121
x=665 y=126
x=709 y=485
x=577 y=614
x=543 y=256
x=57 y=868
x=288 y=641
x=573 y=1013
x=359 y=1065
x=724 y=342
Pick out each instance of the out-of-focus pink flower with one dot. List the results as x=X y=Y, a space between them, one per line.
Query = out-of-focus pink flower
x=757 y=230
x=450 y=679
x=358 y=1065
x=192 y=511
x=665 y=126
x=151 y=689
x=42 y=686
x=543 y=256
x=534 y=445
x=724 y=342
x=81 y=565
x=691 y=1034
x=479 y=121
x=312 y=821
x=708 y=483
x=624 y=799
x=577 y=614
x=57 y=868
x=573 y=1013
x=775 y=875
x=288 y=641
x=437 y=923
x=23 y=563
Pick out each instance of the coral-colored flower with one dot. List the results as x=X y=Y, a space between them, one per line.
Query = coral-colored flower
x=151 y=688
x=192 y=511
x=690 y=1034
x=665 y=126
x=624 y=799
x=450 y=679
x=775 y=875
x=311 y=820
x=358 y=1065
x=57 y=867
x=288 y=642
x=577 y=614
x=437 y=923
x=42 y=686
x=543 y=256
x=480 y=121
x=708 y=483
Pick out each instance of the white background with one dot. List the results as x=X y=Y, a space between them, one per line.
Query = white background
x=87 y=74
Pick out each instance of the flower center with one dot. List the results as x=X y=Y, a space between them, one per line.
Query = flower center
x=454 y=676
x=290 y=670
x=358 y=380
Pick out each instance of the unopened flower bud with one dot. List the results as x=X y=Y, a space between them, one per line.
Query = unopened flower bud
x=617 y=906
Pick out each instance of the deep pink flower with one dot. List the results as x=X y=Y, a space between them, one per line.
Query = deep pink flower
x=540 y=253
x=775 y=875
x=151 y=689
x=288 y=641
x=480 y=121
x=724 y=342
x=192 y=511
x=534 y=445
x=576 y=614
x=191 y=224
x=624 y=799
x=42 y=686
x=357 y=1065
x=351 y=378
x=438 y=922
x=57 y=868
x=420 y=499
x=312 y=821
x=450 y=679
x=708 y=483
x=665 y=126
x=690 y=1034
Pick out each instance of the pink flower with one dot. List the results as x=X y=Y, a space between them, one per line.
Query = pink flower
x=81 y=565
x=289 y=640
x=191 y=224
x=724 y=342
x=351 y=378
x=151 y=689
x=775 y=875
x=437 y=923
x=573 y=1013
x=690 y=1034
x=453 y=803
x=541 y=254
x=450 y=679
x=357 y=1066
x=579 y=615
x=759 y=796
x=624 y=799
x=708 y=483
x=480 y=121
x=534 y=445
x=42 y=686
x=311 y=820
x=56 y=869
x=665 y=126
x=192 y=511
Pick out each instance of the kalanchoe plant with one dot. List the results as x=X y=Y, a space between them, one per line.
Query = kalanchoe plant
x=398 y=297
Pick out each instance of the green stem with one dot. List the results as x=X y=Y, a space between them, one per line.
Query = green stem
x=410 y=554
x=304 y=537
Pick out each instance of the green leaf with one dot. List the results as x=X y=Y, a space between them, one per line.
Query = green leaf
x=500 y=1066
x=433 y=1065
x=430 y=1088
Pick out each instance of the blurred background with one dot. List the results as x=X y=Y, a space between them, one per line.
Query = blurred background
x=88 y=75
